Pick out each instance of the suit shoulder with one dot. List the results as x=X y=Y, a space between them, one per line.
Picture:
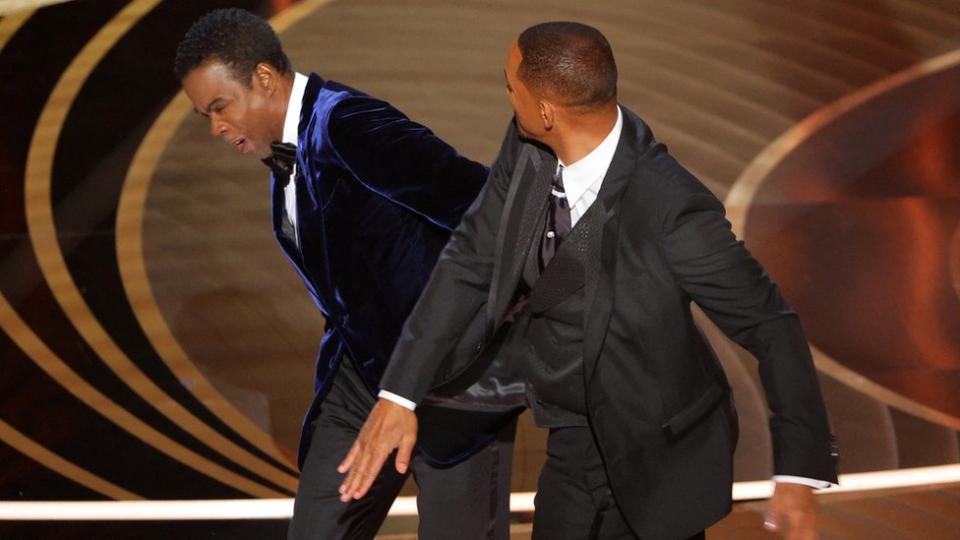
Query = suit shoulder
x=348 y=106
x=665 y=179
x=658 y=175
x=665 y=190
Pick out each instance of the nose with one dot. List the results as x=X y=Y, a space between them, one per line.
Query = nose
x=217 y=128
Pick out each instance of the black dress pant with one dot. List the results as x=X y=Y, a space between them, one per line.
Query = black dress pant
x=574 y=500
x=470 y=500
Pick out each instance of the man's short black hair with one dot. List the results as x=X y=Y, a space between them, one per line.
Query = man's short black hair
x=570 y=62
x=236 y=37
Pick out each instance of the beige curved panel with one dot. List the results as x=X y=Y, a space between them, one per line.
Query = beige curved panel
x=11 y=23
x=43 y=236
x=742 y=193
x=955 y=261
x=37 y=452
x=13 y=8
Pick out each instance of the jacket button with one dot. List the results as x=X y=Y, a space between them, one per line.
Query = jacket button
x=479 y=346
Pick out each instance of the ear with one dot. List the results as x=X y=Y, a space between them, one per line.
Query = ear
x=548 y=114
x=265 y=77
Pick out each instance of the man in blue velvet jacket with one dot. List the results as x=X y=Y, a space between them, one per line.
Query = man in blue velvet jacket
x=364 y=199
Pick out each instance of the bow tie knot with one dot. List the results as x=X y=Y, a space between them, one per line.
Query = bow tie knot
x=282 y=160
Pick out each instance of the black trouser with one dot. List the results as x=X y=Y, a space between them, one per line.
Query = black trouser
x=470 y=500
x=574 y=500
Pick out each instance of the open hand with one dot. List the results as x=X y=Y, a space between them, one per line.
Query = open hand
x=389 y=426
x=793 y=512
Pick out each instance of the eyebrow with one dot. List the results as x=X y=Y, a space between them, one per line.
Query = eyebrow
x=206 y=112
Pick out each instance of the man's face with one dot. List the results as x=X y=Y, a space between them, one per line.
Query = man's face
x=239 y=113
x=526 y=106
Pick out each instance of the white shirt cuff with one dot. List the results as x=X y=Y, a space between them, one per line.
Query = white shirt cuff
x=815 y=484
x=397 y=399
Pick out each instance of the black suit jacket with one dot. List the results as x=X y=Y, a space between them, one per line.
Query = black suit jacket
x=656 y=395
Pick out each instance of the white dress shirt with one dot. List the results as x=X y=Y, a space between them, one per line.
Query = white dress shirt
x=581 y=183
x=291 y=124
x=582 y=179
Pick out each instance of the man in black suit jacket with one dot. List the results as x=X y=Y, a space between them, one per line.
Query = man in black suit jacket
x=363 y=199
x=591 y=242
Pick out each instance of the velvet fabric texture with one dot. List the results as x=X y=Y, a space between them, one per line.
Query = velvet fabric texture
x=377 y=197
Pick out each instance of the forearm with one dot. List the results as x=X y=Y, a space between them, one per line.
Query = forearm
x=734 y=290
x=456 y=293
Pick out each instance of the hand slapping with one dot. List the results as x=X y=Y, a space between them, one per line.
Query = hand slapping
x=389 y=427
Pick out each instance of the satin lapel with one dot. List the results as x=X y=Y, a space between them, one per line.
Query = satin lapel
x=287 y=244
x=307 y=107
x=520 y=224
x=600 y=267
x=306 y=203
x=276 y=196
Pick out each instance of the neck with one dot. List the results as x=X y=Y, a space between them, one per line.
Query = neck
x=283 y=92
x=582 y=133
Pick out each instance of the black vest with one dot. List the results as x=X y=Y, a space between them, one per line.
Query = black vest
x=554 y=328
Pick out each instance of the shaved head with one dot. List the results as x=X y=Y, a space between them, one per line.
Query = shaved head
x=569 y=62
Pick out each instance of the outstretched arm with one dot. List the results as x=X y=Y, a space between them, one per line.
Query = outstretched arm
x=721 y=276
x=457 y=289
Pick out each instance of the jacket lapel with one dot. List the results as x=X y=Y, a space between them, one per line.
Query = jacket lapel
x=521 y=214
x=306 y=208
x=600 y=267
x=565 y=274
x=277 y=209
x=307 y=108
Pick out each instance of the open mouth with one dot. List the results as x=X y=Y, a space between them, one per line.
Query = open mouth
x=240 y=144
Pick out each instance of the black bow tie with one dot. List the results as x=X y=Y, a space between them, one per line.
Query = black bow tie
x=282 y=161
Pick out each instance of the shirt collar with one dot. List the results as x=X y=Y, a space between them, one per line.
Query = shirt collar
x=291 y=121
x=588 y=170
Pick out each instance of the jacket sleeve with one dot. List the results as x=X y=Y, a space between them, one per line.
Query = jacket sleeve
x=403 y=160
x=457 y=288
x=720 y=275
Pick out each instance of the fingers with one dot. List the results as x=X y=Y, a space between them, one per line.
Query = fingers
x=771 y=523
x=362 y=475
x=404 y=453
x=354 y=476
x=792 y=526
x=792 y=512
x=348 y=461
x=389 y=426
x=802 y=527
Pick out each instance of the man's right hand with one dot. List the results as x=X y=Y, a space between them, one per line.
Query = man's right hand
x=389 y=426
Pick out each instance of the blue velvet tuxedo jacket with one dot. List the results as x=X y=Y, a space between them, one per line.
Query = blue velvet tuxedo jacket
x=377 y=197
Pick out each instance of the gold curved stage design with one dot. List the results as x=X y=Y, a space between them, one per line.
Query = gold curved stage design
x=143 y=300
x=744 y=191
x=43 y=234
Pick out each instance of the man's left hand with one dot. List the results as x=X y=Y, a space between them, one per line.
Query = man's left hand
x=389 y=426
x=793 y=512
